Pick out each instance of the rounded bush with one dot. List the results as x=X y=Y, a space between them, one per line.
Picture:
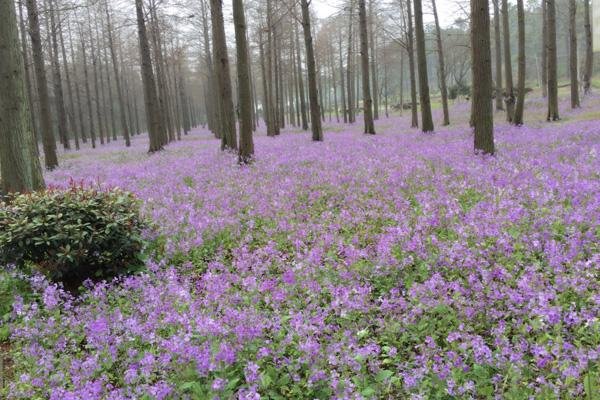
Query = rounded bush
x=73 y=234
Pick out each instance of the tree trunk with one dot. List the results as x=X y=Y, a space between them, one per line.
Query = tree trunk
x=589 y=52
x=106 y=87
x=342 y=85
x=442 y=68
x=59 y=98
x=313 y=94
x=183 y=100
x=30 y=89
x=77 y=77
x=150 y=96
x=49 y=144
x=552 y=63
x=229 y=139
x=411 y=63
x=246 y=151
x=72 y=119
x=350 y=69
x=271 y=100
x=364 y=55
x=509 y=95
x=113 y=56
x=374 y=76
x=498 y=48
x=426 y=118
x=19 y=165
x=483 y=113
x=166 y=122
x=88 y=93
x=301 y=80
x=521 y=71
x=573 y=54
x=99 y=106
x=209 y=85
x=544 y=49
x=334 y=83
x=265 y=84
x=385 y=78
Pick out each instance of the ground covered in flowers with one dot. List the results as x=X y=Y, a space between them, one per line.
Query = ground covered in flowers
x=393 y=266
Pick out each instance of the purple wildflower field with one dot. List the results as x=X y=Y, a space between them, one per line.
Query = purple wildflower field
x=365 y=267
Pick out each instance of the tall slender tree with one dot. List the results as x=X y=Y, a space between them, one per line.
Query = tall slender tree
x=227 y=117
x=88 y=93
x=115 y=64
x=498 y=50
x=426 y=118
x=59 y=98
x=28 y=79
x=573 y=54
x=301 y=81
x=148 y=82
x=19 y=164
x=49 y=144
x=544 y=49
x=364 y=54
x=509 y=93
x=350 y=66
x=483 y=113
x=373 y=61
x=411 y=64
x=589 y=53
x=441 y=65
x=313 y=93
x=71 y=113
x=246 y=150
x=518 y=120
x=552 y=62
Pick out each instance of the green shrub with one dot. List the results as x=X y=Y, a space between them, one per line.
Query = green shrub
x=73 y=234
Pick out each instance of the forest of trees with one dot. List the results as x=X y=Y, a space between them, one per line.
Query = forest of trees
x=299 y=199
x=90 y=72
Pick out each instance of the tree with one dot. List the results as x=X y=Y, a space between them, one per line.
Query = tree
x=212 y=107
x=544 y=49
x=509 y=94
x=246 y=150
x=441 y=66
x=364 y=55
x=426 y=118
x=49 y=144
x=19 y=164
x=61 y=112
x=227 y=117
x=88 y=92
x=373 y=61
x=483 y=117
x=589 y=53
x=115 y=64
x=301 y=80
x=28 y=80
x=518 y=119
x=350 y=67
x=148 y=83
x=552 y=63
x=72 y=119
x=313 y=93
x=498 y=49
x=573 y=54
x=411 y=64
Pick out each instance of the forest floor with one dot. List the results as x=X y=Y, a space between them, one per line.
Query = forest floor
x=391 y=266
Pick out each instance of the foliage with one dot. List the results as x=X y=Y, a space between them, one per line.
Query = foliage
x=458 y=90
x=400 y=268
x=72 y=234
